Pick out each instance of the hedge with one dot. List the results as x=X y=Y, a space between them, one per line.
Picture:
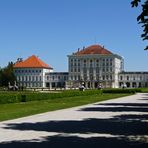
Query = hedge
x=132 y=90
x=14 y=97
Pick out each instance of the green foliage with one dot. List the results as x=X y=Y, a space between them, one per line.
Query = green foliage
x=144 y=90
x=121 y=90
x=134 y=3
x=14 y=97
x=143 y=18
x=7 y=75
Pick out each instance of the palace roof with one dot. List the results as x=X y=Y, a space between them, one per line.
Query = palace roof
x=94 y=49
x=31 y=62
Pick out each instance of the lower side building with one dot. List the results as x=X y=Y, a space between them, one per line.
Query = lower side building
x=54 y=80
x=133 y=79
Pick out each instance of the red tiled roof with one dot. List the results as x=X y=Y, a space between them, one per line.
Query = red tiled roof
x=94 y=49
x=32 y=62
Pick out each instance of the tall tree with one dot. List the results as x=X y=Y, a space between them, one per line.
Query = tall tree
x=0 y=76
x=7 y=75
x=142 y=18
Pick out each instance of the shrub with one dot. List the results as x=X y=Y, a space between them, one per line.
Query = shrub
x=23 y=98
x=8 y=98
x=14 y=97
x=132 y=90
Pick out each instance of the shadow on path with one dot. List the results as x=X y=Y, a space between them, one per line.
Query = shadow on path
x=121 y=127
x=118 y=107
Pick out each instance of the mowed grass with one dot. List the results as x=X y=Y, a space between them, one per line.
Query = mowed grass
x=17 y=110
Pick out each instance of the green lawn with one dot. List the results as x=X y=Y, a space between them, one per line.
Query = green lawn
x=16 y=110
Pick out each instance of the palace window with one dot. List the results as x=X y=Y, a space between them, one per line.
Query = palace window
x=91 y=70
x=47 y=77
x=65 y=78
x=84 y=70
x=52 y=77
x=97 y=70
x=78 y=69
x=71 y=69
x=121 y=77
x=75 y=77
x=127 y=77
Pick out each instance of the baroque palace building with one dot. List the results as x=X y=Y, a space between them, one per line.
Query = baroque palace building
x=94 y=66
x=91 y=67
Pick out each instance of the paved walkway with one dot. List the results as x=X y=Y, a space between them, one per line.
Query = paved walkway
x=120 y=123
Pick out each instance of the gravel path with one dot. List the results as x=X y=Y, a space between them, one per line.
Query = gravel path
x=121 y=123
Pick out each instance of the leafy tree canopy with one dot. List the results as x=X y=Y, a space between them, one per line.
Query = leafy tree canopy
x=7 y=75
x=142 y=18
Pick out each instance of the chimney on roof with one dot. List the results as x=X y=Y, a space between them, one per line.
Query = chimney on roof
x=103 y=46
x=78 y=49
x=19 y=59
x=83 y=47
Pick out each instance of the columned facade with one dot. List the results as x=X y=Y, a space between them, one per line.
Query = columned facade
x=94 y=66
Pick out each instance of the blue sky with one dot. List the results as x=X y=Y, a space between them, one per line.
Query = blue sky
x=53 y=29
